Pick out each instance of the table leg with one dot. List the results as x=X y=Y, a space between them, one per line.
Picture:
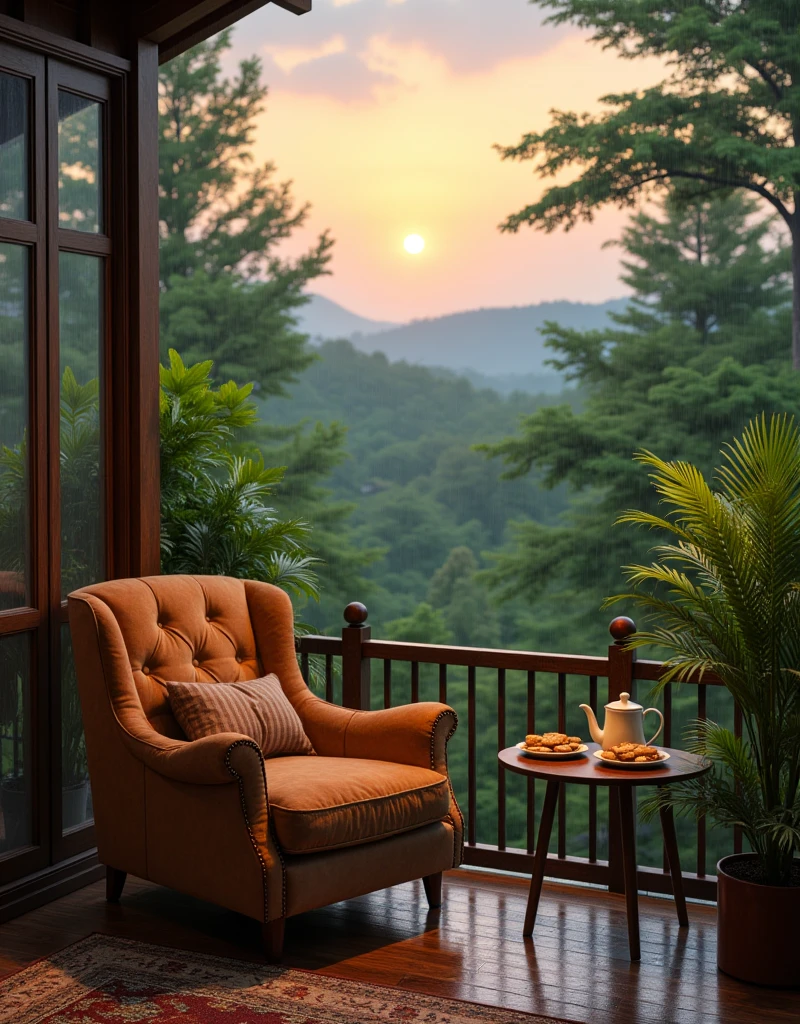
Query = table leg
x=627 y=822
x=540 y=857
x=673 y=859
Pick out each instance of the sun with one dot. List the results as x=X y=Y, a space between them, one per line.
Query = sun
x=414 y=244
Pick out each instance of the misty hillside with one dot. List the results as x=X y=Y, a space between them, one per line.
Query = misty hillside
x=499 y=342
x=325 y=319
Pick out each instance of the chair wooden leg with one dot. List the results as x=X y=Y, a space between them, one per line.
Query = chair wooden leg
x=115 y=882
x=433 y=889
x=272 y=939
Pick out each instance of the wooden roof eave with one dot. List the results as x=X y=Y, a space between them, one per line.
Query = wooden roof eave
x=175 y=25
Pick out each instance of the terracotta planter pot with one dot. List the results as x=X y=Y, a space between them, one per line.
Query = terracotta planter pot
x=757 y=933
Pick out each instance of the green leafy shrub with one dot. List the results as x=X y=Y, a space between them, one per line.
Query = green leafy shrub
x=724 y=596
x=215 y=516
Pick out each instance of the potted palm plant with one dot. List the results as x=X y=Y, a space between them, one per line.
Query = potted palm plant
x=723 y=595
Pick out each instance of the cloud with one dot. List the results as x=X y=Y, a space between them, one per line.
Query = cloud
x=288 y=58
x=466 y=36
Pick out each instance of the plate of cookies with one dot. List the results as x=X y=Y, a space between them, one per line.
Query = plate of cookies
x=635 y=756
x=552 y=746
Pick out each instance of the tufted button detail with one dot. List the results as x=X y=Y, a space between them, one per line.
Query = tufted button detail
x=195 y=662
x=160 y=625
x=208 y=618
x=238 y=657
x=146 y=670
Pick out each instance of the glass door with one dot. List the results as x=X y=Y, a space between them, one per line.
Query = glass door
x=79 y=265
x=55 y=470
x=24 y=655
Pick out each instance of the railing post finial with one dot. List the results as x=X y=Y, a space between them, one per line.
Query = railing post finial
x=621 y=628
x=355 y=614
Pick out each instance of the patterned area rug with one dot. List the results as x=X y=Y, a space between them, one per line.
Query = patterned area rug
x=105 y=980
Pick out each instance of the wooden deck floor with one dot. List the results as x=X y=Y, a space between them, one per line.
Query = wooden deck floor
x=576 y=966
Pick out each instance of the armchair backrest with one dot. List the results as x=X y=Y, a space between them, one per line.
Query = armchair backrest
x=182 y=629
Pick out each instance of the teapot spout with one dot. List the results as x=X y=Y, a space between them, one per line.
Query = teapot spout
x=594 y=728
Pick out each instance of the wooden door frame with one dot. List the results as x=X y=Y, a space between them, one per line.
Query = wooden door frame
x=129 y=368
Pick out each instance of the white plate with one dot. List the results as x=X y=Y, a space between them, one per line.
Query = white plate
x=632 y=765
x=552 y=756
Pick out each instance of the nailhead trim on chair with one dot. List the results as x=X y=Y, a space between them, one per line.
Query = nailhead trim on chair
x=439 y=717
x=253 y=840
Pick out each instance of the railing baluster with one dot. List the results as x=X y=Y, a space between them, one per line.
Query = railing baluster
x=304 y=666
x=387 y=683
x=531 y=727
x=562 y=792
x=668 y=715
x=329 y=678
x=414 y=682
x=501 y=773
x=472 y=790
x=593 y=789
x=701 y=824
x=667 y=743
x=737 y=732
x=443 y=684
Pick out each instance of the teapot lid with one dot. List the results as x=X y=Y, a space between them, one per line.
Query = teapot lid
x=624 y=704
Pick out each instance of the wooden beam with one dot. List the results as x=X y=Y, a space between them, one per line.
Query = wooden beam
x=143 y=384
x=178 y=24
x=295 y=6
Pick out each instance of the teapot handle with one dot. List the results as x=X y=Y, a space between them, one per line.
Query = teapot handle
x=658 y=731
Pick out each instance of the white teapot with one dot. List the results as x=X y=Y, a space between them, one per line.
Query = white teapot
x=624 y=723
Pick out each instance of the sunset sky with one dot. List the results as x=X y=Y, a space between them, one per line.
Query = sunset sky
x=384 y=113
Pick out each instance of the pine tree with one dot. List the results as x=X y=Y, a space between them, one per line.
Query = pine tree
x=703 y=347
x=726 y=117
x=226 y=293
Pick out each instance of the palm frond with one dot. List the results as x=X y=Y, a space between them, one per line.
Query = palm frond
x=725 y=597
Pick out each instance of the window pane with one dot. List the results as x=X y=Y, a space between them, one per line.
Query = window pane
x=80 y=320
x=76 y=800
x=16 y=767
x=80 y=186
x=13 y=147
x=13 y=425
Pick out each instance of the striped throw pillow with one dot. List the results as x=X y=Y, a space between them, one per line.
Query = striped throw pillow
x=257 y=708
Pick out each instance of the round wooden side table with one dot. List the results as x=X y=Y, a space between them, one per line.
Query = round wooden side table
x=588 y=771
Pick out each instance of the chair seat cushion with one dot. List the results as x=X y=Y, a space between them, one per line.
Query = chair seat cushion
x=321 y=803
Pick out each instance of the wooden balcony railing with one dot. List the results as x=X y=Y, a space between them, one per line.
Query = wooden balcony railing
x=500 y=696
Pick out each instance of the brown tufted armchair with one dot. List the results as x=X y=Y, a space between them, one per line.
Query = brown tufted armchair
x=269 y=838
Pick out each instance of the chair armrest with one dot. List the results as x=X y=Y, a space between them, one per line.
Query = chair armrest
x=412 y=734
x=206 y=762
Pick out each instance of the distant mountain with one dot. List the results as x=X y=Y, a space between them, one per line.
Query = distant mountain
x=322 y=318
x=500 y=342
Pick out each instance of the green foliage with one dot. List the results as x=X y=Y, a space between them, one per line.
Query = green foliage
x=724 y=596
x=426 y=625
x=214 y=515
x=418 y=488
x=726 y=116
x=684 y=367
x=226 y=293
x=228 y=297
x=310 y=453
x=467 y=609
